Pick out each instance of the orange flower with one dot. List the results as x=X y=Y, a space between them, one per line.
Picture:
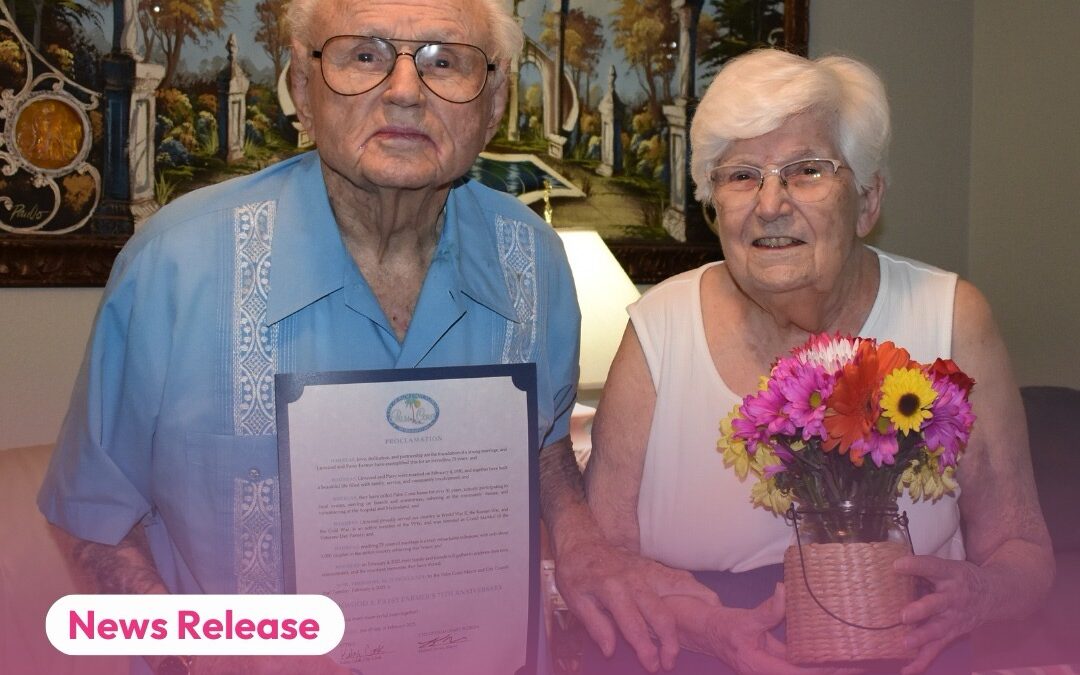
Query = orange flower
x=890 y=357
x=851 y=406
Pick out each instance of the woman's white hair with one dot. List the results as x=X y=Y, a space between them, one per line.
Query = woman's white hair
x=506 y=34
x=757 y=92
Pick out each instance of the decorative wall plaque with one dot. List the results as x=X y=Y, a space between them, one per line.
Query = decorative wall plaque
x=50 y=184
x=47 y=186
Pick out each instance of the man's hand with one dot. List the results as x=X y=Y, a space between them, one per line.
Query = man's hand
x=606 y=586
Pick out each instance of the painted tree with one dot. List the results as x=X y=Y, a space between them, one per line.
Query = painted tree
x=272 y=33
x=646 y=31
x=584 y=42
x=32 y=16
x=168 y=24
x=739 y=26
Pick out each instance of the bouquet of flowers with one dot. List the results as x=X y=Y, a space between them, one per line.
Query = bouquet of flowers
x=842 y=426
x=849 y=420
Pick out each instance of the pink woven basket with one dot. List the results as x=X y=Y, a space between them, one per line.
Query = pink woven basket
x=856 y=583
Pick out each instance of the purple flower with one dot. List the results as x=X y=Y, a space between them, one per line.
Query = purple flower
x=948 y=431
x=805 y=390
x=784 y=368
x=881 y=448
x=783 y=452
x=747 y=431
x=765 y=410
x=774 y=469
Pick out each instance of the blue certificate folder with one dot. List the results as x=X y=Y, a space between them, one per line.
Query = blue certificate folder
x=409 y=414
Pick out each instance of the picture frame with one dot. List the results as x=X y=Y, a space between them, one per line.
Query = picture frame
x=79 y=251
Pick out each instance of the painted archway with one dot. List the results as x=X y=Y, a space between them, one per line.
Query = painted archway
x=533 y=53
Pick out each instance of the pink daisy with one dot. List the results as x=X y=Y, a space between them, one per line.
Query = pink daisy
x=766 y=410
x=806 y=390
x=881 y=448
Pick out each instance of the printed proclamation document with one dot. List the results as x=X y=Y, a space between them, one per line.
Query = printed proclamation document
x=410 y=498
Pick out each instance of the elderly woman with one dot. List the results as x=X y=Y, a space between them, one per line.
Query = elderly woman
x=795 y=265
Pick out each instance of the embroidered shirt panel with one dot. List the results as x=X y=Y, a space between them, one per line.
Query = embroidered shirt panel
x=517 y=253
x=254 y=343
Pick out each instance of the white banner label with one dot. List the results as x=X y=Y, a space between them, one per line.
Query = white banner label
x=195 y=624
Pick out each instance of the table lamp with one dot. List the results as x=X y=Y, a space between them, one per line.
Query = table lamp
x=603 y=290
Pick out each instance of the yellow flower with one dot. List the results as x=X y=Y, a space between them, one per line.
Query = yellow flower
x=923 y=480
x=765 y=493
x=733 y=449
x=906 y=396
x=937 y=482
x=764 y=457
x=948 y=479
x=912 y=480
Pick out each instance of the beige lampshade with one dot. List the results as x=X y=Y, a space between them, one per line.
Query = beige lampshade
x=603 y=290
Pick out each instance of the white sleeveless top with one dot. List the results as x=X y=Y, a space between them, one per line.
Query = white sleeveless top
x=693 y=511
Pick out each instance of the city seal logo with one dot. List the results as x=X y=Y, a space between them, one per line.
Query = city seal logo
x=412 y=413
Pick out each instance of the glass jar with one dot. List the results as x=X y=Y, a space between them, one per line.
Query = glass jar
x=847 y=523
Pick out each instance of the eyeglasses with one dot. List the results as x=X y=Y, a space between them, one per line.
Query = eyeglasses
x=355 y=64
x=807 y=180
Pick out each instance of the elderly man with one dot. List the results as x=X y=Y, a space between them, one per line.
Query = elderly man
x=372 y=252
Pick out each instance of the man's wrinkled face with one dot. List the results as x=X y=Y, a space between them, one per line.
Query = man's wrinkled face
x=399 y=134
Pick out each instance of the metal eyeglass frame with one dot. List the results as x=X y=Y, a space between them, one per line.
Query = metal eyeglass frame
x=778 y=171
x=317 y=54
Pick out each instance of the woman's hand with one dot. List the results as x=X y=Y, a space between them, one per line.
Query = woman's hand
x=956 y=606
x=1010 y=561
x=740 y=637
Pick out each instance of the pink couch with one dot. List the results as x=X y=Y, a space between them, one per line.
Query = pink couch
x=33 y=574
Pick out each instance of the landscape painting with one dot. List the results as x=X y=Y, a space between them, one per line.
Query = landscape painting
x=602 y=146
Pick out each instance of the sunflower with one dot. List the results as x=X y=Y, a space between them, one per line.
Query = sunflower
x=906 y=396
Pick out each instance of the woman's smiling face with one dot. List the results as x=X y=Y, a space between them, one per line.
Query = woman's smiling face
x=775 y=244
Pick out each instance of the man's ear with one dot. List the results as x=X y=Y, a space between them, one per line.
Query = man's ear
x=500 y=92
x=870 y=206
x=300 y=72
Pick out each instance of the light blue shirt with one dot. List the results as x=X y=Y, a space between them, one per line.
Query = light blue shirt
x=172 y=418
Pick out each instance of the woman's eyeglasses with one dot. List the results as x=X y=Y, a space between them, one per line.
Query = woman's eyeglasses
x=806 y=180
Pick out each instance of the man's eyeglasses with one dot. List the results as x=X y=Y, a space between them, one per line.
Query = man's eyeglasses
x=807 y=180
x=355 y=64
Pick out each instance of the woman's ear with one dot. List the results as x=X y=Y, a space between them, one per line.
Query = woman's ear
x=870 y=206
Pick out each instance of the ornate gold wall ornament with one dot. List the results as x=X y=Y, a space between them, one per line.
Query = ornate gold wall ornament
x=50 y=187
x=51 y=133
